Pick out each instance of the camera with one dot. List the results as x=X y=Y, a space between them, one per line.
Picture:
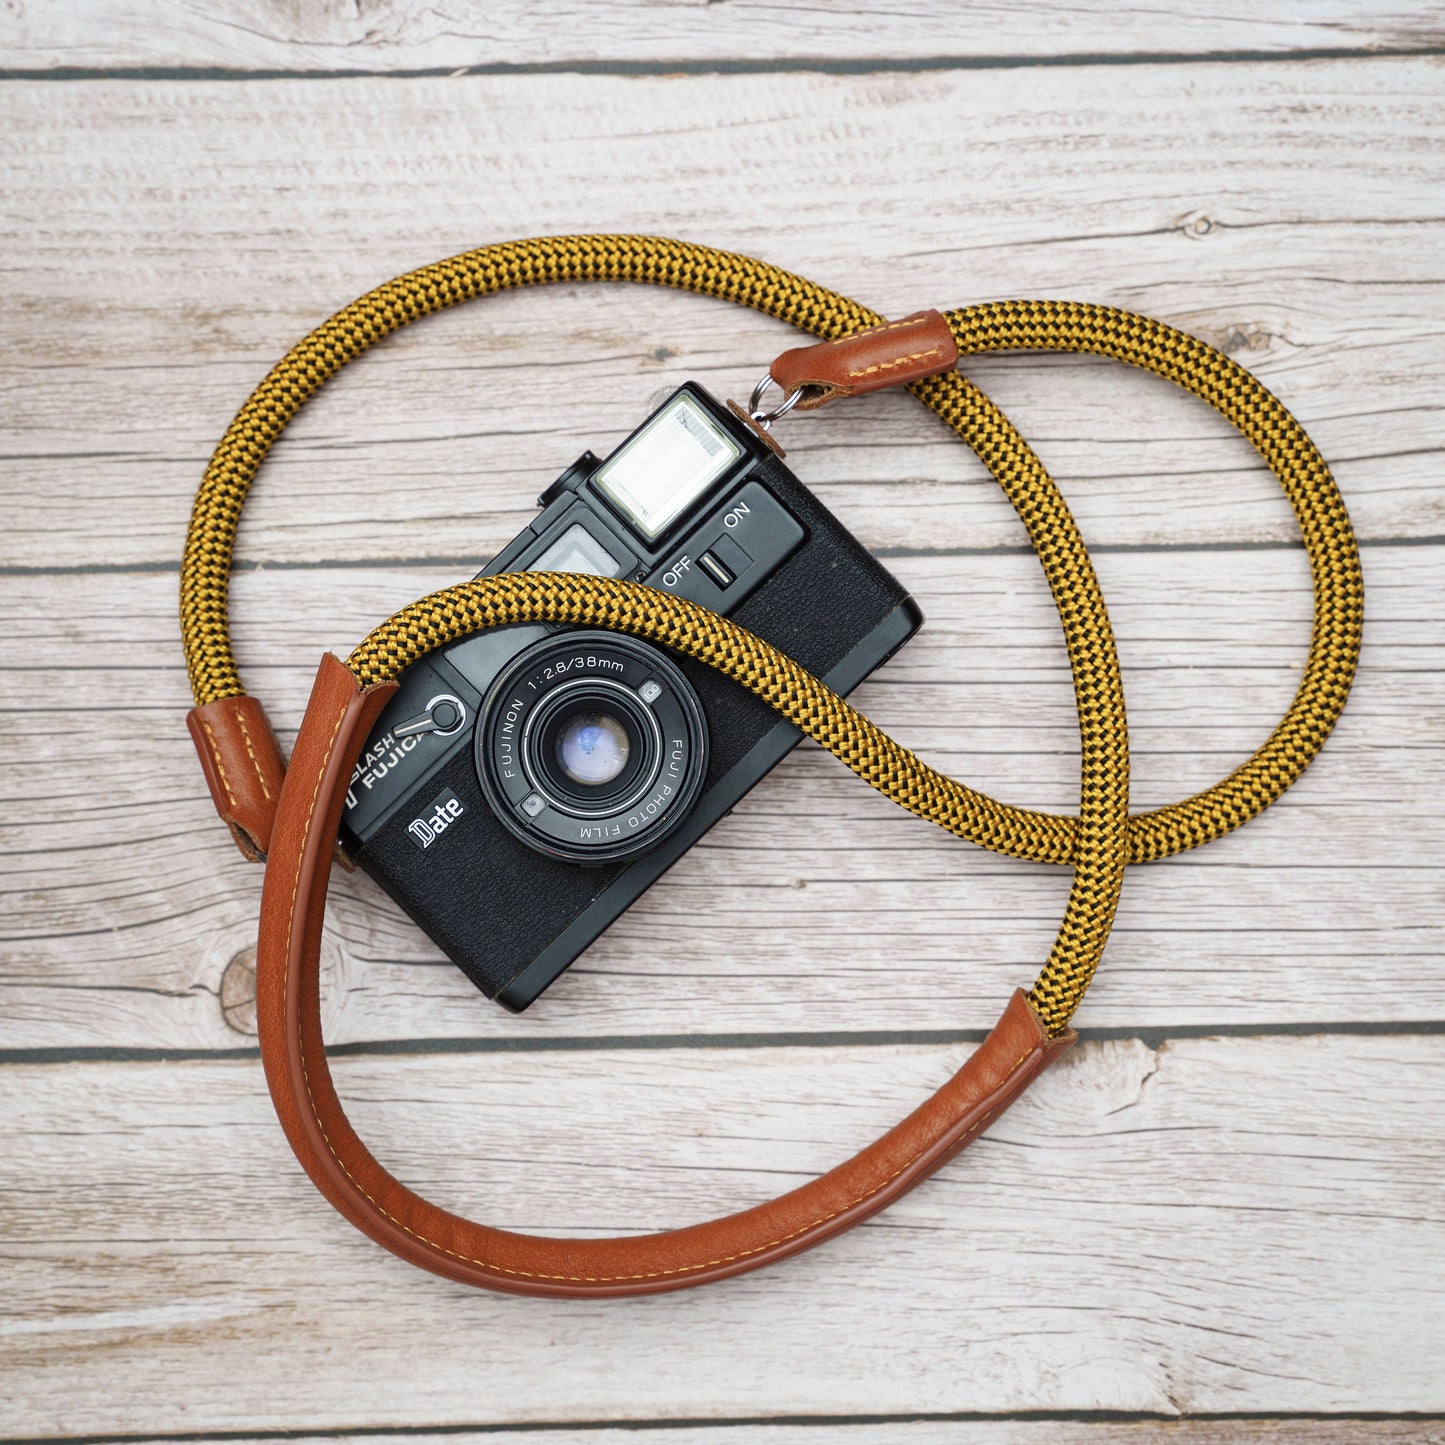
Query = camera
x=527 y=783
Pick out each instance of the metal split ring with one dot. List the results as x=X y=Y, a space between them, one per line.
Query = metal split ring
x=765 y=419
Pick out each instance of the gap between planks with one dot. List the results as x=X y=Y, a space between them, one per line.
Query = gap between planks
x=1034 y=1427
x=131 y=40
x=461 y=564
x=683 y=68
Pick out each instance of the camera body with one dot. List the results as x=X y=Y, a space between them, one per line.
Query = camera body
x=527 y=783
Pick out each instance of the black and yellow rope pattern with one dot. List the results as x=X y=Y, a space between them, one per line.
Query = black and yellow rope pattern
x=1102 y=838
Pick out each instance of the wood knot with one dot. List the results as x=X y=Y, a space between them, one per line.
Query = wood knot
x=238 y=993
x=1238 y=337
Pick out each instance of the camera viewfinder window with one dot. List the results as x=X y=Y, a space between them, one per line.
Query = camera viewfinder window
x=577 y=550
x=667 y=466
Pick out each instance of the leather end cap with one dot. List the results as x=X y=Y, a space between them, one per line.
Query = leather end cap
x=243 y=768
x=1050 y=1046
x=894 y=354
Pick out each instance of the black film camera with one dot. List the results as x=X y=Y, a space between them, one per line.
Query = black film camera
x=527 y=783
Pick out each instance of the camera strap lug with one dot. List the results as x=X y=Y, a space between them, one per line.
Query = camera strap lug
x=758 y=428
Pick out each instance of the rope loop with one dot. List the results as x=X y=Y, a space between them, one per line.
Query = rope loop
x=1102 y=838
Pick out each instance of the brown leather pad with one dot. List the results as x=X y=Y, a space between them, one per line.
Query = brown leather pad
x=338 y=719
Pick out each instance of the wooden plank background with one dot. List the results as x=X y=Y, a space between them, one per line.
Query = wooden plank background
x=1220 y=1218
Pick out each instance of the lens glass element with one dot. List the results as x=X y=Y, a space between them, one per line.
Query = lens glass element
x=592 y=748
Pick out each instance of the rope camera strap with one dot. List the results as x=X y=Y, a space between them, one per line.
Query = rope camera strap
x=1098 y=843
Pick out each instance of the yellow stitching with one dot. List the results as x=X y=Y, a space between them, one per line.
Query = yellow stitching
x=902 y=361
x=255 y=761
x=220 y=766
x=524 y=1273
x=880 y=330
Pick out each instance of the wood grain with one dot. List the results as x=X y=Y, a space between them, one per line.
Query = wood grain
x=1216 y=1225
x=818 y=904
x=406 y=34
x=177 y=240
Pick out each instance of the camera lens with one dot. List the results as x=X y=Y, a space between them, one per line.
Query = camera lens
x=592 y=748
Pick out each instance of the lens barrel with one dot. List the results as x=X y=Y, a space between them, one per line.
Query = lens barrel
x=591 y=746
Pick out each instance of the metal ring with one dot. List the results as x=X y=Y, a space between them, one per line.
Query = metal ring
x=765 y=419
x=461 y=708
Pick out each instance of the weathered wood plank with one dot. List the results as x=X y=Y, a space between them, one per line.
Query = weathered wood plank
x=406 y=34
x=173 y=239
x=1218 y=1225
x=818 y=904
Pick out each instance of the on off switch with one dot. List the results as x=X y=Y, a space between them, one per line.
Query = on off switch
x=715 y=569
x=724 y=562
x=738 y=547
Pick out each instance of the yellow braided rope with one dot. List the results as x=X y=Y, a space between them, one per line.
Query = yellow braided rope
x=1102 y=837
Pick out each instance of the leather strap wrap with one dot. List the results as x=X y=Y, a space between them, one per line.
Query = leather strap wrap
x=338 y=719
x=243 y=768
x=893 y=354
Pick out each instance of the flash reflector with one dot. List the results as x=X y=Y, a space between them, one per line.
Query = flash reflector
x=667 y=466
